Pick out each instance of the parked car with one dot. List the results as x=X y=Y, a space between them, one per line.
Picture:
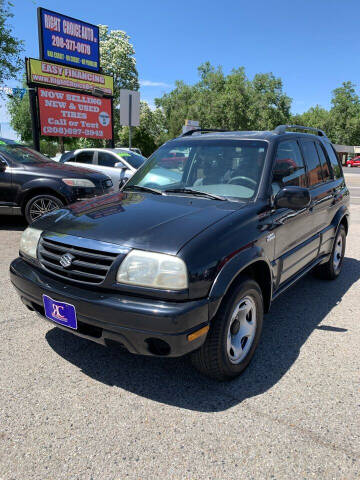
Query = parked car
x=132 y=149
x=32 y=184
x=353 y=162
x=117 y=163
x=174 y=160
x=190 y=267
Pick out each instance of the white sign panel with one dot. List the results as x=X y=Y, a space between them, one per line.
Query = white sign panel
x=190 y=125
x=129 y=107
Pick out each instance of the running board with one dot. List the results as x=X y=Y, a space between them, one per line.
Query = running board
x=303 y=272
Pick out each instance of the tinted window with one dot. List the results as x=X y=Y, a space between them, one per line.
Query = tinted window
x=23 y=155
x=289 y=167
x=333 y=160
x=324 y=162
x=312 y=162
x=67 y=157
x=106 y=159
x=134 y=159
x=84 y=157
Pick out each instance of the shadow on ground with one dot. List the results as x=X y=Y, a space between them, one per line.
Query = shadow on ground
x=12 y=223
x=293 y=318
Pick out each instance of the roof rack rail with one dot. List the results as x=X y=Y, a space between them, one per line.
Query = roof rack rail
x=282 y=129
x=190 y=132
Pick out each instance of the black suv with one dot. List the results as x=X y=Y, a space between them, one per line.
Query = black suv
x=191 y=266
x=32 y=184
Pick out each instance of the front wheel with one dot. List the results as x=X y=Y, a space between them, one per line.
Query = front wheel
x=41 y=204
x=234 y=334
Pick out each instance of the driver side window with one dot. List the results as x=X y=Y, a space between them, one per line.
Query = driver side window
x=289 y=168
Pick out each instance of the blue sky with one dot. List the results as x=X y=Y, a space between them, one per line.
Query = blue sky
x=313 y=45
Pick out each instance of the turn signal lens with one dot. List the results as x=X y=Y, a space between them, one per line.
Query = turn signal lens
x=199 y=333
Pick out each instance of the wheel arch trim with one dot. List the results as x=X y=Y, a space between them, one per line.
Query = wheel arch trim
x=242 y=263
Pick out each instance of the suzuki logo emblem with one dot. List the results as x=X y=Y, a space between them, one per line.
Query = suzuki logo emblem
x=66 y=260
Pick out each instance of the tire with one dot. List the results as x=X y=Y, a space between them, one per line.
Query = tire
x=218 y=358
x=332 y=268
x=41 y=204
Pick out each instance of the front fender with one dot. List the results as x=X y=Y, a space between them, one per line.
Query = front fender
x=233 y=267
x=42 y=183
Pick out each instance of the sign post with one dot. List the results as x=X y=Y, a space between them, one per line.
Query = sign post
x=129 y=110
x=34 y=119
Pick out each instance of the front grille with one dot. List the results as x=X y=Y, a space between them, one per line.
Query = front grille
x=88 y=266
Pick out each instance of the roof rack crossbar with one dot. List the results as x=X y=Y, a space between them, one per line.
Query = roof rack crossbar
x=190 y=132
x=282 y=129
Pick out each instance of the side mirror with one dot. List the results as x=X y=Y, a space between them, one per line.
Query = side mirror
x=3 y=165
x=295 y=198
x=122 y=182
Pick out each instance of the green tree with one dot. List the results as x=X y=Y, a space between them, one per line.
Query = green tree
x=20 y=119
x=342 y=122
x=227 y=101
x=316 y=117
x=10 y=46
x=151 y=132
x=345 y=115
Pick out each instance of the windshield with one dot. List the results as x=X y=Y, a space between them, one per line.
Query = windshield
x=23 y=155
x=227 y=168
x=134 y=159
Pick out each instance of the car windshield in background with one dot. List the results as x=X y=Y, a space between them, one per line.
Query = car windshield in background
x=134 y=159
x=23 y=155
x=226 y=168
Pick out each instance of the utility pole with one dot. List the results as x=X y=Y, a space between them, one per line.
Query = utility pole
x=34 y=119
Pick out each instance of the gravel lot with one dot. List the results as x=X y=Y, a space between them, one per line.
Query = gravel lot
x=71 y=409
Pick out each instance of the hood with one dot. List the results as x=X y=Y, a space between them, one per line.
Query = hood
x=139 y=220
x=61 y=170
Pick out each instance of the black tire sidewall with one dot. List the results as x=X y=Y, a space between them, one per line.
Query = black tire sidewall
x=251 y=289
x=38 y=197
x=340 y=231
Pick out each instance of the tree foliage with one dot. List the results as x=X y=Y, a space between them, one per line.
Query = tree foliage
x=151 y=132
x=117 y=59
x=10 y=46
x=342 y=121
x=231 y=101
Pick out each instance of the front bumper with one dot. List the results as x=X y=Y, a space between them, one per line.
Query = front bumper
x=142 y=326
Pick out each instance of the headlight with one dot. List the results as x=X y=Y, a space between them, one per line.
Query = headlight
x=149 y=269
x=29 y=241
x=78 y=182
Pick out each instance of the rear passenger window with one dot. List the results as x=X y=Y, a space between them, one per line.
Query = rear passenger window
x=84 y=157
x=333 y=160
x=105 y=159
x=324 y=162
x=289 y=167
x=312 y=162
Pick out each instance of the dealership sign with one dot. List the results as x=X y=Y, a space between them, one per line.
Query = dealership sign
x=45 y=73
x=68 y=41
x=67 y=114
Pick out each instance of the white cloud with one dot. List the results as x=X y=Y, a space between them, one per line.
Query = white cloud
x=149 y=83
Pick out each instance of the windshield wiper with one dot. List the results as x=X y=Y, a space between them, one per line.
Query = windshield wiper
x=194 y=192
x=143 y=189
